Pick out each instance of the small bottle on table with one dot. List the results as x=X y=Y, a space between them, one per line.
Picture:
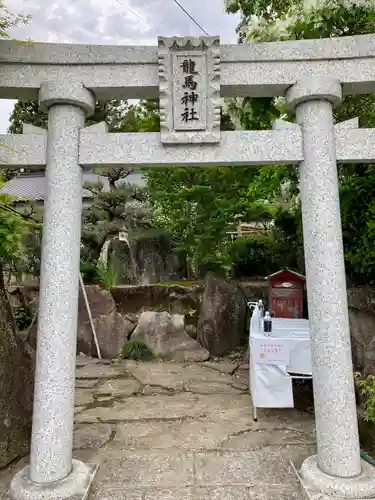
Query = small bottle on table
x=267 y=324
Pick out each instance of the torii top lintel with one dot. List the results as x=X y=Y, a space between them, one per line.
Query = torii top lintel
x=253 y=69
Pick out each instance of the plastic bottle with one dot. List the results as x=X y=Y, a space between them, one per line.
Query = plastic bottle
x=255 y=320
x=267 y=324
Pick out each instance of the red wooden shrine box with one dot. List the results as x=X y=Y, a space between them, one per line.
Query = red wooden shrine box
x=285 y=294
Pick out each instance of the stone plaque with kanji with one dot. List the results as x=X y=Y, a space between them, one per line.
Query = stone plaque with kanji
x=189 y=82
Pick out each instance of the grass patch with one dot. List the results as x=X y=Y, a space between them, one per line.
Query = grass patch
x=137 y=351
x=107 y=276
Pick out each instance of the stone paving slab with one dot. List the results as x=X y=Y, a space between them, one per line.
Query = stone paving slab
x=99 y=371
x=242 y=468
x=106 y=492
x=83 y=397
x=144 y=468
x=194 y=493
x=297 y=454
x=169 y=431
x=86 y=384
x=194 y=434
x=225 y=493
x=118 y=388
x=176 y=377
x=92 y=436
x=163 y=407
x=252 y=438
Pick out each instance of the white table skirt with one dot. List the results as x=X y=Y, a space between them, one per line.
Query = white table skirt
x=272 y=359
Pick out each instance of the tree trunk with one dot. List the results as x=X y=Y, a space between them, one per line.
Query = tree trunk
x=16 y=385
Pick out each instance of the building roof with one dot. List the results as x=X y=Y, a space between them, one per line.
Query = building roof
x=286 y=270
x=31 y=186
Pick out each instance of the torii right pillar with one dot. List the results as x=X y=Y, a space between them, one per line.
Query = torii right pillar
x=337 y=470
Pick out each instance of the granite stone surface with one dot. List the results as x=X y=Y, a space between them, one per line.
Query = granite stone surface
x=75 y=486
x=66 y=91
x=235 y=148
x=320 y=485
x=189 y=89
x=254 y=69
x=334 y=397
x=52 y=431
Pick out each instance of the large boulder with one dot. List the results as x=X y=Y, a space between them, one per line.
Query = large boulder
x=165 y=334
x=112 y=331
x=221 y=324
x=101 y=303
x=16 y=386
x=112 y=328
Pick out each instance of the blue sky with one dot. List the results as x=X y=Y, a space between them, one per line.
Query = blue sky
x=112 y=22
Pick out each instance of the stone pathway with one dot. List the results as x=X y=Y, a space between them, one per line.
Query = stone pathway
x=166 y=431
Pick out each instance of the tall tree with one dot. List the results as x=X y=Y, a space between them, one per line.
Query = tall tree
x=285 y=20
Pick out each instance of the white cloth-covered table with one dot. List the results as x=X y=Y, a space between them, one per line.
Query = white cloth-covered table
x=276 y=360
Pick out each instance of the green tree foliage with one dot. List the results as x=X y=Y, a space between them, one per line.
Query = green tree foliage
x=18 y=233
x=116 y=114
x=10 y=20
x=201 y=205
x=120 y=116
x=285 y=20
x=12 y=224
x=12 y=229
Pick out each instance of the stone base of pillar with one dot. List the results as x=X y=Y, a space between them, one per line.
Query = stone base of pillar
x=318 y=485
x=76 y=486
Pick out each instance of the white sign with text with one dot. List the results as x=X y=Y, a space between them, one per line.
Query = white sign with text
x=270 y=352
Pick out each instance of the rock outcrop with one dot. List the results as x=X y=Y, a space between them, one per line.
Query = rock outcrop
x=112 y=331
x=175 y=299
x=165 y=334
x=221 y=325
x=148 y=260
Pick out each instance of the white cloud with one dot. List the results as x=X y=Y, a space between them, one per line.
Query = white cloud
x=111 y=22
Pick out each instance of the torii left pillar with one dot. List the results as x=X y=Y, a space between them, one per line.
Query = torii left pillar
x=52 y=473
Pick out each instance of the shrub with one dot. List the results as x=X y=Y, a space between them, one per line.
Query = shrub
x=137 y=351
x=89 y=270
x=255 y=255
x=366 y=387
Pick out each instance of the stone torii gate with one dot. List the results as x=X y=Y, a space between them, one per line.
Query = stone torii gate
x=190 y=75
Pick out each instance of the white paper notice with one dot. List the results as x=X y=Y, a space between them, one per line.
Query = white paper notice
x=270 y=352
